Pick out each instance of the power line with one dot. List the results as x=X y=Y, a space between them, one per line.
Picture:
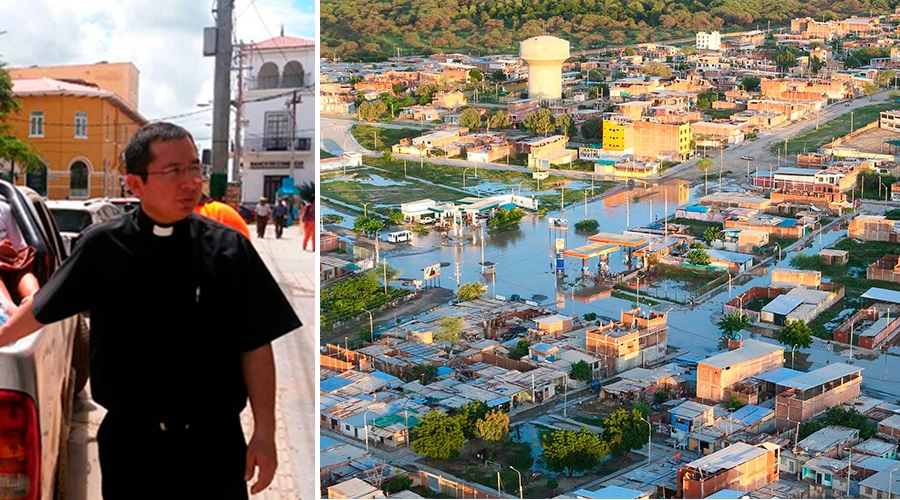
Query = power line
x=263 y=21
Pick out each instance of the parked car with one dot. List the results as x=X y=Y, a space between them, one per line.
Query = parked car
x=125 y=205
x=426 y=220
x=746 y=157
x=39 y=374
x=73 y=217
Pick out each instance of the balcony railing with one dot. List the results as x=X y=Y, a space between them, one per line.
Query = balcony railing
x=268 y=144
x=306 y=80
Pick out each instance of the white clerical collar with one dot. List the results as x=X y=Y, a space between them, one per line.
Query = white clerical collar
x=162 y=231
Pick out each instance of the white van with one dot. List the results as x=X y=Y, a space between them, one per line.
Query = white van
x=399 y=236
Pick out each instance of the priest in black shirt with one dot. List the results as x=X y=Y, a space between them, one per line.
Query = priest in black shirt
x=183 y=313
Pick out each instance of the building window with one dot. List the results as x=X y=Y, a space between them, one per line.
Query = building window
x=37 y=124
x=277 y=131
x=81 y=125
x=78 y=180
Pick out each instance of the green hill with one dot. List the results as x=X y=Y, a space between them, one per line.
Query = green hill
x=374 y=29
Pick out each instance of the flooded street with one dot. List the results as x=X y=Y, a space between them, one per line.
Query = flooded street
x=524 y=259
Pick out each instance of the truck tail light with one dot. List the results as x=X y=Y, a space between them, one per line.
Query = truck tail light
x=20 y=447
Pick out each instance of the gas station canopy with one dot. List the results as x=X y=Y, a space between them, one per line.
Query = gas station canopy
x=591 y=250
x=619 y=239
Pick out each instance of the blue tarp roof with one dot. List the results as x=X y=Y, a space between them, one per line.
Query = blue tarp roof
x=444 y=370
x=697 y=208
x=508 y=206
x=777 y=375
x=499 y=401
x=326 y=442
x=384 y=376
x=787 y=223
x=334 y=383
x=783 y=304
x=727 y=494
x=609 y=492
x=882 y=295
x=751 y=414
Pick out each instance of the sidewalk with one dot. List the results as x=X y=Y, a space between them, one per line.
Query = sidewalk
x=295 y=397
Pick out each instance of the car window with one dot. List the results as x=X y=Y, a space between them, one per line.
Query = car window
x=72 y=221
x=108 y=212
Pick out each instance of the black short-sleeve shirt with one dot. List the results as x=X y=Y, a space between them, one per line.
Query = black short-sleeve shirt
x=172 y=309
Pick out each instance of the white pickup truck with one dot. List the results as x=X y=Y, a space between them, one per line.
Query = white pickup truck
x=39 y=374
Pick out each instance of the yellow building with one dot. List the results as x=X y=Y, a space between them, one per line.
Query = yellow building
x=618 y=133
x=80 y=130
x=663 y=141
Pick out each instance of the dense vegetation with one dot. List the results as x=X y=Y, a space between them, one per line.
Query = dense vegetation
x=372 y=29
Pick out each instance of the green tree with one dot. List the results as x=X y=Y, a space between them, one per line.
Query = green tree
x=628 y=52
x=864 y=56
x=565 y=125
x=735 y=404
x=476 y=75
x=396 y=217
x=438 y=436
x=810 y=427
x=12 y=149
x=870 y=88
x=539 y=122
x=506 y=218
x=712 y=234
x=592 y=129
x=469 y=414
x=498 y=76
x=591 y=316
x=581 y=371
x=571 y=452
x=450 y=331
x=795 y=333
x=368 y=225
x=425 y=92
x=587 y=225
x=815 y=65
x=624 y=431
x=499 y=120
x=371 y=111
x=750 y=83
x=470 y=118
x=656 y=69
x=698 y=257
x=552 y=484
x=494 y=426
x=387 y=154
x=704 y=163
x=838 y=415
x=732 y=323
x=425 y=374
x=884 y=77
x=660 y=397
x=471 y=291
x=355 y=79
x=521 y=349
x=785 y=59
x=397 y=484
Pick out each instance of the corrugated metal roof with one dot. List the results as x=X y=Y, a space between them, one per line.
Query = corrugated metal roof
x=751 y=349
x=728 y=458
x=820 y=376
x=609 y=492
x=728 y=494
x=751 y=414
x=783 y=304
x=882 y=295
x=778 y=375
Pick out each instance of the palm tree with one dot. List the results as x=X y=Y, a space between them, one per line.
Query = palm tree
x=732 y=323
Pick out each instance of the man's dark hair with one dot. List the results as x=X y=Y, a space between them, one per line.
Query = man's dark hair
x=138 y=154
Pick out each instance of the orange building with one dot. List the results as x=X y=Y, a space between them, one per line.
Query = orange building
x=636 y=340
x=79 y=129
x=739 y=467
x=121 y=79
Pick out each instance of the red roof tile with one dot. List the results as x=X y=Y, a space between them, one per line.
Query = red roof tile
x=283 y=42
x=50 y=85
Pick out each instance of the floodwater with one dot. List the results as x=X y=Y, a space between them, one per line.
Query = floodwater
x=524 y=260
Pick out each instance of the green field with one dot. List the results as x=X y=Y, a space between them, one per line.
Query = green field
x=325 y=154
x=356 y=193
x=365 y=135
x=838 y=127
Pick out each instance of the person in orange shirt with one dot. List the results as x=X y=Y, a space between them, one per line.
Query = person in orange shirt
x=223 y=213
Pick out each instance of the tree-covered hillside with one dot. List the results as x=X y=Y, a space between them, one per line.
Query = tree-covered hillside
x=374 y=29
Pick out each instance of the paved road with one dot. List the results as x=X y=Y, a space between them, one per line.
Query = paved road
x=297 y=385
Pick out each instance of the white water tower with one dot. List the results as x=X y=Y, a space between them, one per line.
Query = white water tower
x=545 y=56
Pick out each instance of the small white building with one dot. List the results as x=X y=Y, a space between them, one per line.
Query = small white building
x=279 y=115
x=709 y=41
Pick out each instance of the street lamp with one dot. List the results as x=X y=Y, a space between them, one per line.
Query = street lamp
x=649 y=436
x=520 y=481
x=371 y=327
x=464 y=175
x=779 y=250
x=793 y=348
x=520 y=186
x=729 y=282
x=365 y=212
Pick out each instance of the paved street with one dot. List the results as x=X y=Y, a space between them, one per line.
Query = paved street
x=296 y=404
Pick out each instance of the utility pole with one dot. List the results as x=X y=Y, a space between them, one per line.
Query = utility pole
x=293 y=104
x=457 y=276
x=221 y=99
x=236 y=160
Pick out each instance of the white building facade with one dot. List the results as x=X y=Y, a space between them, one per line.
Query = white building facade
x=709 y=41
x=278 y=116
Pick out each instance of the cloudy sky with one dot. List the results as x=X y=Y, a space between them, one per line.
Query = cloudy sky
x=163 y=38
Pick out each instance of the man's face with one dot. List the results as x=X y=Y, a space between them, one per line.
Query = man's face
x=174 y=182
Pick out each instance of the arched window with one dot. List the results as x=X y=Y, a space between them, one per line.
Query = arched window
x=293 y=75
x=268 y=76
x=37 y=180
x=78 y=180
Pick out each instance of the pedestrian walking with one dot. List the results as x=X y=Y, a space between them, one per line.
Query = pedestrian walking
x=183 y=313
x=279 y=214
x=309 y=226
x=263 y=211
x=222 y=212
